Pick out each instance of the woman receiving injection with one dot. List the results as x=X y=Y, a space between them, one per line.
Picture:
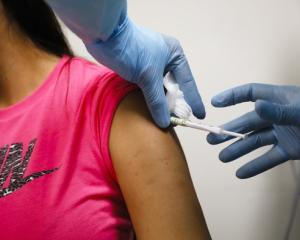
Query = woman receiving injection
x=80 y=156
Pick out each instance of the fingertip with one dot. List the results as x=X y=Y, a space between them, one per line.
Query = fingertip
x=216 y=101
x=159 y=108
x=225 y=156
x=160 y=114
x=194 y=100
x=163 y=121
x=213 y=139
x=219 y=100
x=241 y=174
x=164 y=124
x=210 y=139
x=246 y=172
x=200 y=113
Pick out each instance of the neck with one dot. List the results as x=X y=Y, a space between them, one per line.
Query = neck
x=23 y=66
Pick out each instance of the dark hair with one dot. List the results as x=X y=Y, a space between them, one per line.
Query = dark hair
x=38 y=22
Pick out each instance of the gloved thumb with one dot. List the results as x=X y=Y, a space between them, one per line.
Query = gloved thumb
x=278 y=113
x=157 y=102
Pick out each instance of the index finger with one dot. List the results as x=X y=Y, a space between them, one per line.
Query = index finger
x=245 y=93
x=187 y=84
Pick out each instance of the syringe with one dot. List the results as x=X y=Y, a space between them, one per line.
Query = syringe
x=204 y=127
x=180 y=108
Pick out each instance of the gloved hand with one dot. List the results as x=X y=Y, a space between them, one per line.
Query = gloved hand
x=138 y=55
x=143 y=57
x=275 y=121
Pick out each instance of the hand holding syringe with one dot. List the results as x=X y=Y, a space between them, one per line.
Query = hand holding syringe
x=179 y=107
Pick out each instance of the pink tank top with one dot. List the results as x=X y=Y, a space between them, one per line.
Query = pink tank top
x=57 y=180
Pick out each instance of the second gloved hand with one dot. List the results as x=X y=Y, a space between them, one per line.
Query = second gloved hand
x=275 y=121
x=143 y=57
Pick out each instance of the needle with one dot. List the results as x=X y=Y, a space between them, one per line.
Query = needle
x=204 y=127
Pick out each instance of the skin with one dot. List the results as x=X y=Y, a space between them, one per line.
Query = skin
x=152 y=170
x=23 y=66
x=154 y=177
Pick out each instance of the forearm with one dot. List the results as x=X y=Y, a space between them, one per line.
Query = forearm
x=91 y=20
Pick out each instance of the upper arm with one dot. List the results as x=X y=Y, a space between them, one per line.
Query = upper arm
x=154 y=176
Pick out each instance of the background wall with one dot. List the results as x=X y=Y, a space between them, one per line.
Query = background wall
x=232 y=42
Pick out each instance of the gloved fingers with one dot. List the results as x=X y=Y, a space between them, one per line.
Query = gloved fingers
x=277 y=113
x=157 y=103
x=249 y=122
x=271 y=159
x=245 y=93
x=247 y=145
x=184 y=77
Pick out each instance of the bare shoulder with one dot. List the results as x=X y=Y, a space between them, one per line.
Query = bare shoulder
x=133 y=124
x=153 y=175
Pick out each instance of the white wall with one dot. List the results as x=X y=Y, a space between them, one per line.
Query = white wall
x=231 y=42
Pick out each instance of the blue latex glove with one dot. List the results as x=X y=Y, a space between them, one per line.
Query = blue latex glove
x=275 y=121
x=138 y=55
x=91 y=20
x=143 y=57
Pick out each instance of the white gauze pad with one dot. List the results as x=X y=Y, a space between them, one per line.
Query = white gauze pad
x=175 y=98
